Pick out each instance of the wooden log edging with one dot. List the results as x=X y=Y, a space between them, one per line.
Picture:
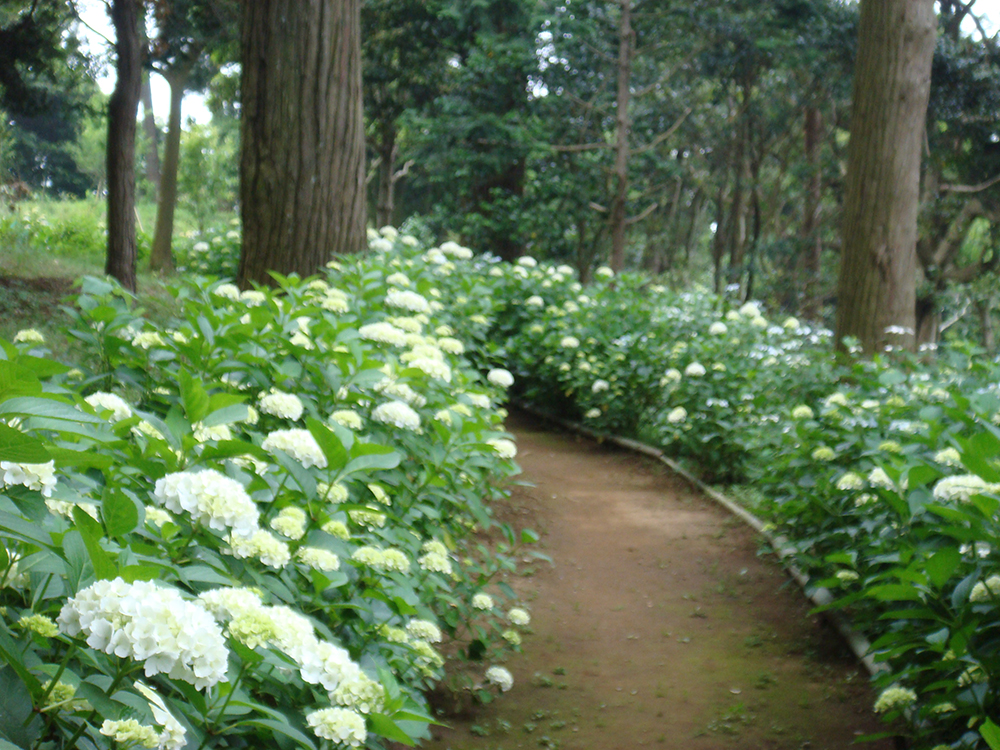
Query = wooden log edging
x=820 y=596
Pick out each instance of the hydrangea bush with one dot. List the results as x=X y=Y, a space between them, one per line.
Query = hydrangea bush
x=258 y=524
x=883 y=476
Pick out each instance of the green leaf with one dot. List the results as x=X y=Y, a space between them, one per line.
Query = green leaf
x=194 y=397
x=29 y=406
x=894 y=592
x=20 y=448
x=119 y=513
x=133 y=573
x=226 y=414
x=383 y=726
x=942 y=565
x=329 y=443
x=529 y=536
x=16 y=380
x=279 y=727
x=91 y=459
x=372 y=456
x=991 y=733
x=17 y=722
x=92 y=532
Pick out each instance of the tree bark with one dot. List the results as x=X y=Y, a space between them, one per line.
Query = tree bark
x=876 y=295
x=302 y=179
x=811 y=245
x=152 y=135
x=122 y=110
x=617 y=218
x=387 y=150
x=161 y=257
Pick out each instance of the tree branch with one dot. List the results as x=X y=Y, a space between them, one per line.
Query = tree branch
x=662 y=136
x=401 y=173
x=598 y=207
x=971 y=188
x=639 y=217
x=578 y=147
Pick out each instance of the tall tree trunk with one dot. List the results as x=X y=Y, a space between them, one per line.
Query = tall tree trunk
x=719 y=239
x=122 y=110
x=877 y=289
x=302 y=179
x=152 y=136
x=812 y=247
x=161 y=257
x=619 y=176
x=387 y=150
x=697 y=208
x=984 y=309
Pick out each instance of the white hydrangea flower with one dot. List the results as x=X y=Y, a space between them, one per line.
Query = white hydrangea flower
x=434 y=368
x=435 y=558
x=397 y=414
x=227 y=291
x=962 y=487
x=482 y=601
x=299 y=444
x=604 y=273
x=986 y=591
x=383 y=561
x=131 y=732
x=40 y=477
x=451 y=345
x=210 y=497
x=369 y=518
x=102 y=401
x=29 y=336
x=203 y=434
x=878 y=478
x=334 y=493
x=504 y=448
x=407 y=300
x=895 y=698
x=280 y=404
x=261 y=545
x=569 y=342
x=154 y=625
x=316 y=557
x=694 y=370
x=673 y=375
x=599 y=386
x=347 y=418
x=337 y=529
x=148 y=340
x=479 y=400
x=677 y=415
x=836 y=399
x=802 y=412
x=340 y=725
x=850 y=481
x=157 y=516
x=359 y=692
x=948 y=457
x=593 y=413
x=383 y=333
x=500 y=377
x=718 y=328
x=519 y=616
x=290 y=522
x=397 y=279
x=824 y=453
x=500 y=676
x=456 y=251
x=424 y=630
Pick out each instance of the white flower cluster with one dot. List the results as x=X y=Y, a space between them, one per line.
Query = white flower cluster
x=501 y=677
x=210 y=497
x=435 y=558
x=148 y=340
x=694 y=370
x=962 y=487
x=347 y=418
x=334 y=493
x=290 y=522
x=504 y=448
x=985 y=591
x=41 y=477
x=455 y=250
x=341 y=725
x=280 y=404
x=102 y=401
x=895 y=698
x=397 y=414
x=299 y=444
x=677 y=415
x=29 y=336
x=500 y=377
x=482 y=601
x=424 y=630
x=154 y=625
x=318 y=558
x=407 y=300
x=383 y=333
x=434 y=368
x=599 y=386
x=519 y=616
x=382 y=560
x=261 y=545
x=849 y=482
x=130 y=732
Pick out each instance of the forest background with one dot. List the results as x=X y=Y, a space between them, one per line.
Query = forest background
x=721 y=160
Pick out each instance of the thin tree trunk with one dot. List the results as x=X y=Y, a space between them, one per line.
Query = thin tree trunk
x=387 y=149
x=719 y=240
x=161 y=257
x=619 y=175
x=152 y=136
x=812 y=246
x=302 y=178
x=697 y=208
x=985 y=311
x=876 y=296
x=122 y=110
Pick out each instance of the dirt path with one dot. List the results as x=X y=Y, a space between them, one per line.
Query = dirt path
x=658 y=624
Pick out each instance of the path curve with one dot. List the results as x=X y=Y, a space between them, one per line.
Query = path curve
x=658 y=624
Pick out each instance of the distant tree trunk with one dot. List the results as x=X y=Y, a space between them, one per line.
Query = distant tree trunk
x=152 y=136
x=719 y=240
x=161 y=257
x=122 y=110
x=697 y=209
x=302 y=179
x=877 y=285
x=811 y=245
x=387 y=150
x=984 y=309
x=617 y=218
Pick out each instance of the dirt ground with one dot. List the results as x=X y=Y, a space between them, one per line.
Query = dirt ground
x=658 y=624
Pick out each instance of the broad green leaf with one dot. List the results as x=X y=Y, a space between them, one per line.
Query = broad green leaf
x=383 y=726
x=329 y=443
x=194 y=397
x=894 y=592
x=942 y=565
x=31 y=406
x=18 y=724
x=991 y=733
x=119 y=513
x=366 y=456
x=226 y=414
x=92 y=532
x=20 y=448
x=280 y=727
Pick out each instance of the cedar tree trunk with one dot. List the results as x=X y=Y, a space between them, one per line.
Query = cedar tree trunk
x=152 y=135
x=877 y=286
x=811 y=244
x=122 y=110
x=302 y=180
x=386 y=202
x=617 y=220
x=160 y=257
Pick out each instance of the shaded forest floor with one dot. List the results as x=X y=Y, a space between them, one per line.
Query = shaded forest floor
x=658 y=624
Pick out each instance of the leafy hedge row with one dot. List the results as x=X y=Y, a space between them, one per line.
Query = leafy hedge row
x=256 y=525
x=884 y=474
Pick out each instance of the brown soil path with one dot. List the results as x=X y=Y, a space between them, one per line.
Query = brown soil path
x=658 y=625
